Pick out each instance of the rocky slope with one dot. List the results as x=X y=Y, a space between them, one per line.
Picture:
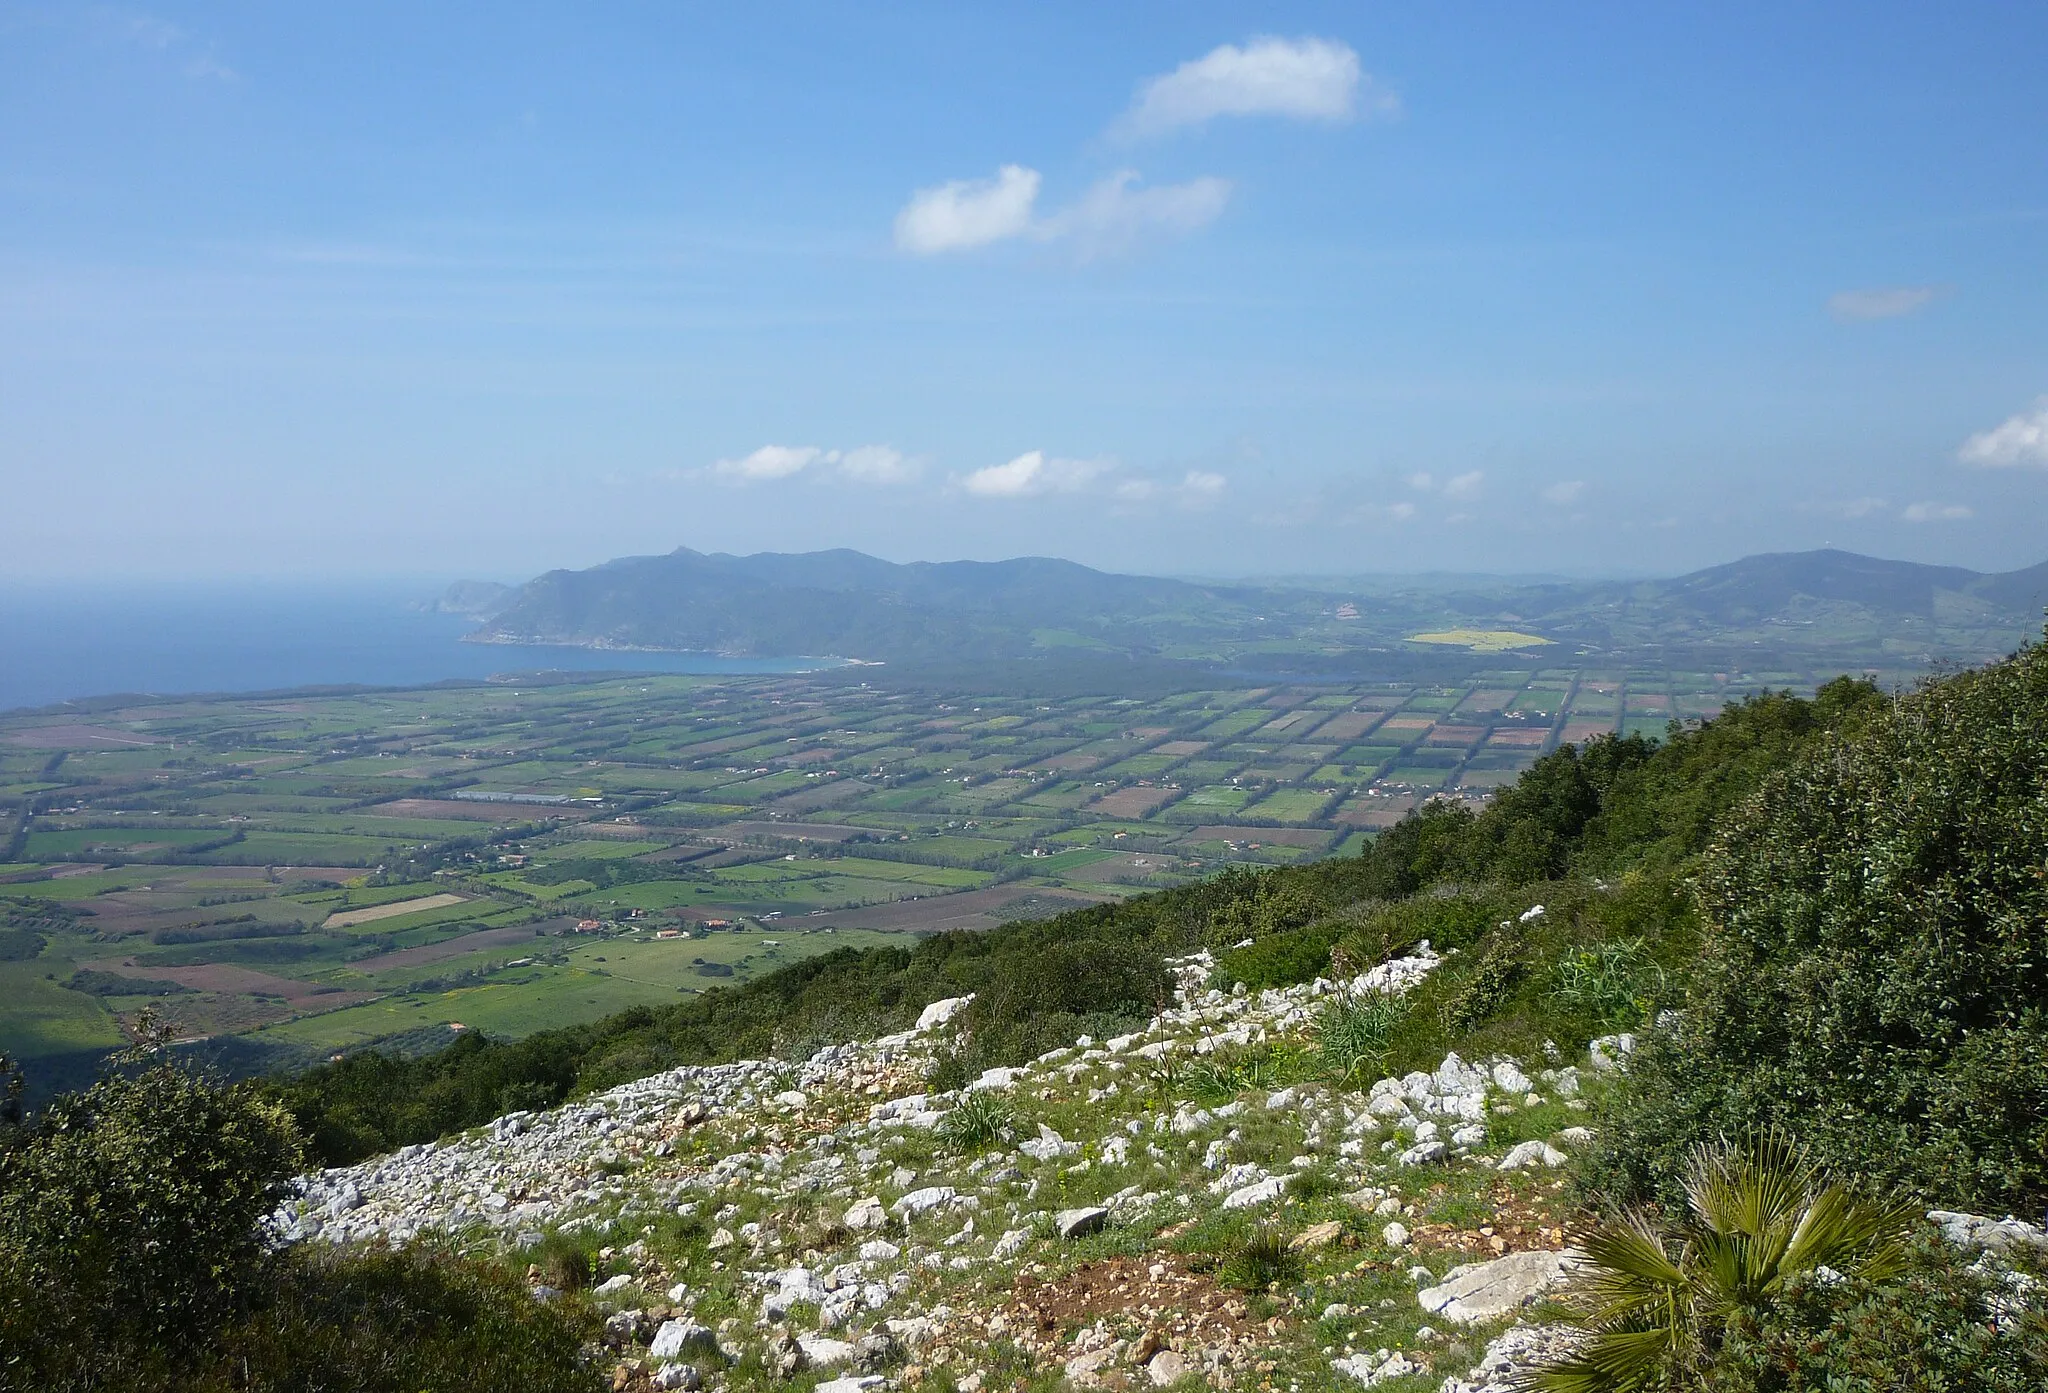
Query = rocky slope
x=1198 y=1201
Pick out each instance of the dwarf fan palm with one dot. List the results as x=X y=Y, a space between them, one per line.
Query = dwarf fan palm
x=1656 y=1304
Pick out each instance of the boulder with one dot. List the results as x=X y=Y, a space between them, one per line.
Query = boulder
x=867 y=1214
x=922 y=1201
x=1076 y=1223
x=1479 y=1292
x=1427 y=1153
x=1263 y=1192
x=941 y=1012
x=1370 y=1369
x=1993 y=1235
x=1318 y=1235
x=824 y=1352
x=1167 y=1366
x=853 y=1383
x=677 y=1338
x=1532 y=1153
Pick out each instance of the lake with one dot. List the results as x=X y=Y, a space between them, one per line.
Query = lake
x=58 y=644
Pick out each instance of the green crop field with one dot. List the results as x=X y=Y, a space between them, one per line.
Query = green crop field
x=781 y=806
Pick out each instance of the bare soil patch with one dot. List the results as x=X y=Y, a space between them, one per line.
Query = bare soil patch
x=1132 y=802
x=348 y=918
x=1519 y=737
x=79 y=737
x=1577 y=731
x=454 y=810
x=790 y=831
x=1073 y=760
x=1181 y=1308
x=1456 y=735
x=1348 y=725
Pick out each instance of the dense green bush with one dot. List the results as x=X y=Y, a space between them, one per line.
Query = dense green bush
x=133 y=1255
x=397 y=1322
x=1935 y=1328
x=1875 y=970
x=138 y=1201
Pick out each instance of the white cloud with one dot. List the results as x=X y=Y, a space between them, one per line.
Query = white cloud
x=1881 y=302
x=1112 y=216
x=1936 y=512
x=1564 y=491
x=2021 y=439
x=1465 y=485
x=877 y=464
x=865 y=464
x=770 y=462
x=1033 y=473
x=1305 y=79
x=1421 y=482
x=1400 y=512
x=968 y=212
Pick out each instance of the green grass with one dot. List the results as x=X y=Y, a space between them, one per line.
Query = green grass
x=43 y=1017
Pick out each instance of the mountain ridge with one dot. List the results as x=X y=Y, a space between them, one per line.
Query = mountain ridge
x=846 y=603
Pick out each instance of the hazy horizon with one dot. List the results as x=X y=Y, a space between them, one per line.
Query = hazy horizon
x=310 y=295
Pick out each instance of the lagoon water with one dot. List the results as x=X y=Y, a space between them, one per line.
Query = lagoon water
x=63 y=644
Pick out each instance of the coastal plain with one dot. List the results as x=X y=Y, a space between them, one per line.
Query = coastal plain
x=294 y=875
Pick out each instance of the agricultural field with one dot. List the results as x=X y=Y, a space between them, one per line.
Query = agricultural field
x=309 y=874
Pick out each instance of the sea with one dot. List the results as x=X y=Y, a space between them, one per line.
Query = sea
x=62 y=644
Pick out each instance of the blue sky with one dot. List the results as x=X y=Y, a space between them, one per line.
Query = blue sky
x=311 y=292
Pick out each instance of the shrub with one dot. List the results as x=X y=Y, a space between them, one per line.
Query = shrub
x=1259 y=1260
x=1282 y=959
x=397 y=1322
x=1661 y=1303
x=140 y=1200
x=1937 y=1325
x=1354 y=1029
x=977 y=1122
x=1615 y=984
x=1875 y=968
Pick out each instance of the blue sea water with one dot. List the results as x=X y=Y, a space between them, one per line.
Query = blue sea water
x=61 y=644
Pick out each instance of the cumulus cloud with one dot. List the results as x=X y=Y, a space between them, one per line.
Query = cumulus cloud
x=1936 y=512
x=877 y=464
x=1881 y=302
x=1033 y=473
x=2019 y=440
x=1564 y=491
x=1464 y=485
x=1304 y=79
x=865 y=464
x=968 y=212
x=1112 y=216
x=769 y=462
